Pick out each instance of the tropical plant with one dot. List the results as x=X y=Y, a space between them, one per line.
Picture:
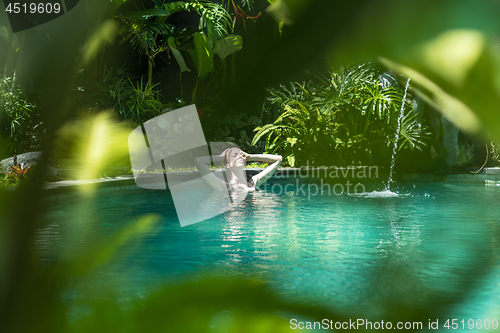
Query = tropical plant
x=285 y=95
x=102 y=92
x=349 y=112
x=356 y=91
x=247 y=3
x=370 y=106
x=131 y=98
x=18 y=172
x=213 y=38
x=138 y=102
x=149 y=30
x=145 y=29
x=238 y=12
x=412 y=134
x=18 y=131
x=303 y=130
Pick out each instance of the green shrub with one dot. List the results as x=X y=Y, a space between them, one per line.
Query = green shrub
x=18 y=131
x=137 y=101
x=302 y=131
x=133 y=100
x=348 y=113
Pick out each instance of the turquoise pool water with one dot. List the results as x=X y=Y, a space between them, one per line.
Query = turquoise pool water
x=345 y=252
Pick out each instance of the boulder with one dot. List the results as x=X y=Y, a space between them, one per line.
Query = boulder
x=453 y=146
x=32 y=159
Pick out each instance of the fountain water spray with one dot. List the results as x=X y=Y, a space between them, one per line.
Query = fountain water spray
x=394 y=150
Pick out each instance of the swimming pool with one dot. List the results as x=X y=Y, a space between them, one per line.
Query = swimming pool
x=345 y=252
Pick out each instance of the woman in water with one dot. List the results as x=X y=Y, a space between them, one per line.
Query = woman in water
x=234 y=161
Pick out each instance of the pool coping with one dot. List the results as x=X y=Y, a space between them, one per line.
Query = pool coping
x=67 y=191
x=486 y=174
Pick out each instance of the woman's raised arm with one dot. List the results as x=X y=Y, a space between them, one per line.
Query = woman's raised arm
x=274 y=162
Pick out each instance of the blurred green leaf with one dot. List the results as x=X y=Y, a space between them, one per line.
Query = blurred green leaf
x=209 y=305
x=88 y=146
x=104 y=253
x=103 y=35
x=386 y=28
x=445 y=45
x=4 y=33
x=286 y=11
x=454 y=109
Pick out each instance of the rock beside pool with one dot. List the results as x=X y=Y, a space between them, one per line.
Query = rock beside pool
x=32 y=159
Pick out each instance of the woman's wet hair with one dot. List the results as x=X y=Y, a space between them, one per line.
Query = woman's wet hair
x=227 y=155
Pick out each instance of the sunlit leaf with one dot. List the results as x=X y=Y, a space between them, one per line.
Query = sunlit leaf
x=452 y=54
x=284 y=11
x=227 y=46
x=202 y=55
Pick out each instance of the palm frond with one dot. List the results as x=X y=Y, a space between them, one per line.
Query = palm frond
x=213 y=17
x=266 y=129
x=412 y=134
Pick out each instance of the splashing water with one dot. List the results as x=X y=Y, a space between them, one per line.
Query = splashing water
x=378 y=194
x=394 y=150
